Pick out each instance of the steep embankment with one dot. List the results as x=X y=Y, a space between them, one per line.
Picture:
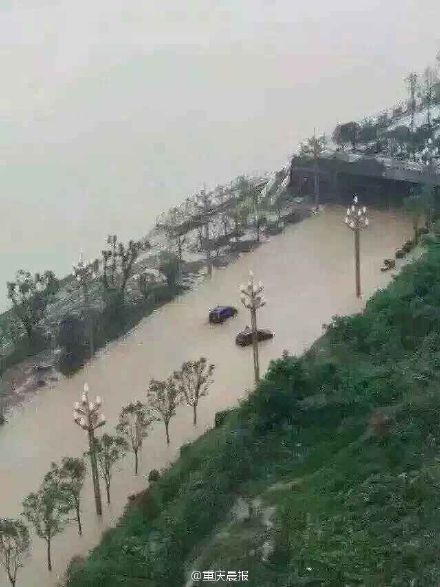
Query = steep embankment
x=327 y=475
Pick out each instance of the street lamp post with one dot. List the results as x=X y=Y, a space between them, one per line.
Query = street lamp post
x=251 y=297
x=85 y=273
x=86 y=415
x=356 y=219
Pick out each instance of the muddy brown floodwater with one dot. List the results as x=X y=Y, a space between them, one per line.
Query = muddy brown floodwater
x=308 y=276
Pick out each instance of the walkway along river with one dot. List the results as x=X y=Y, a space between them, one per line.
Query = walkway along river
x=308 y=276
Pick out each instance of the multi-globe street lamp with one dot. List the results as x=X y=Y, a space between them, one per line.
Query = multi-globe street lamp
x=85 y=274
x=86 y=415
x=356 y=219
x=252 y=299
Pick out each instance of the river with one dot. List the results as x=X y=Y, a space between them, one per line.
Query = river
x=308 y=277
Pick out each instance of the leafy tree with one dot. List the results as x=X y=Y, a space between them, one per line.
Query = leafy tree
x=134 y=423
x=367 y=131
x=412 y=83
x=117 y=265
x=427 y=91
x=14 y=546
x=71 y=339
x=223 y=198
x=193 y=381
x=237 y=214
x=109 y=450
x=169 y=266
x=402 y=134
x=313 y=148
x=146 y=283
x=205 y=210
x=47 y=510
x=346 y=133
x=163 y=399
x=251 y=201
x=173 y=225
x=30 y=296
x=69 y=478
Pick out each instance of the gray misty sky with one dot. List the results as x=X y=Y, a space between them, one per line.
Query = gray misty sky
x=112 y=110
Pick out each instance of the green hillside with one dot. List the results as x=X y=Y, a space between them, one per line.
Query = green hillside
x=327 y=475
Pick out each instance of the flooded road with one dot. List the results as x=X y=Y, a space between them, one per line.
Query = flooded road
x=308 y=276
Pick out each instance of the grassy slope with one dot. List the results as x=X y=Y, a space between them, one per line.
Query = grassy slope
x=338 y=496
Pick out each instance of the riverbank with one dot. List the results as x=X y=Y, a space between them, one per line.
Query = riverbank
x=308 y=276
x=327 y=474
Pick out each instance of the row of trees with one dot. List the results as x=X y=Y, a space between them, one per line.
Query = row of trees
x=58 y=499
x=214 y=218
x=217 y=217
x=423 y=91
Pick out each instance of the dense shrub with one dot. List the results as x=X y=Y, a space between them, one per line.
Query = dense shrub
x=72 y=340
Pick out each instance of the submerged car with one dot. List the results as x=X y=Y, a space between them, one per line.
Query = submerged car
x=219 y=314
x=244 y=338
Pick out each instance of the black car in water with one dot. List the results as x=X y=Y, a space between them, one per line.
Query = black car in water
x=219 y=314
x=244 y=338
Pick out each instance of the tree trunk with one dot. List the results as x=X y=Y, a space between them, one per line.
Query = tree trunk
x=78 y=518
x=107 y=488
x=49 y=556
x=167 y=432
x=95 y=474
x=316 y=185
x=12 y=579
x=136 y=462
x=195 y=414
x=208 y=250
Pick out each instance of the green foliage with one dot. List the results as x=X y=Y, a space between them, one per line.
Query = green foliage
x=342 y=442
x=276 y=399
x=14 y=546
x=346 y=133
x=193 y=381
x=47 y=510
x=163 y=399
x=69 y=478
x=30 y=296
x=72 y=341
x=134 y=423
x=169 y=266
x=110 y=449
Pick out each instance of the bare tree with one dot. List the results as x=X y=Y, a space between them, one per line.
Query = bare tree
x=163 y=399
x=412 y=83
x=173 y=225
x=109 y=450
x=193 y=381
x=313 y=149
x=134 y=423
x=427 y=91
x=14 y=546
x=251 y=198
x=117 y=264
x=47 y=510
x=69 y=477
x=205 y=207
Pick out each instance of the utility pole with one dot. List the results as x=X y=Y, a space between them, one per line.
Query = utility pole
x=252 y=299
x=86 y=415
x=356 y=219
